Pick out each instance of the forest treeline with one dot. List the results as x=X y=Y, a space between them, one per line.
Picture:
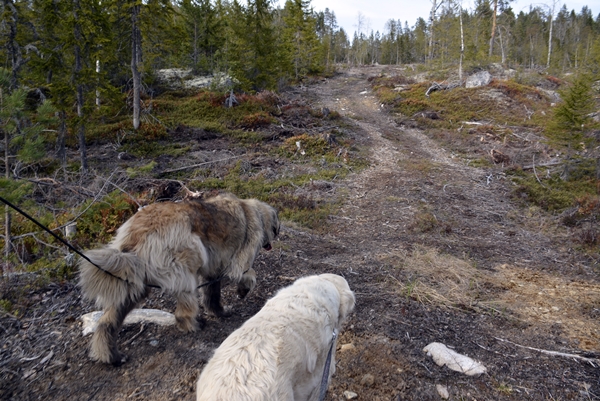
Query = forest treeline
x=96 y=45
x=95 y=58
x=71 y=66
x=92 y=58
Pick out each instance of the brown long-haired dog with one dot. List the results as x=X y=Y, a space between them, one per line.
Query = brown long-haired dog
x=171 y=246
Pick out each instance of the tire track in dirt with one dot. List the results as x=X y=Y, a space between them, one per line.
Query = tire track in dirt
x=411 y=178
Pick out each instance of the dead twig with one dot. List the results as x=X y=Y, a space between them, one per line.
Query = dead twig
x=135 y=336
x=535 y=172
x=591 y=361
x=548 y=164
x=198 y=165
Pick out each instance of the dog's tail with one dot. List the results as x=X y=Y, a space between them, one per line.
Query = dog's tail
x=126 y=278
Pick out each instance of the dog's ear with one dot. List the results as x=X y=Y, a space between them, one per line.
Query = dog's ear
x=276 y=226
x=347 y=301
x=311 y=358
x=347 y=298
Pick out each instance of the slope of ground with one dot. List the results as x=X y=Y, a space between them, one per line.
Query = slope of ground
x=435 y=251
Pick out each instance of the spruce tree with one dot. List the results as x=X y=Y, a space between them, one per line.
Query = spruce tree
x=302 y=47
x=252 y=49
x=572 y=116
x=204 y=31
x=23 y=130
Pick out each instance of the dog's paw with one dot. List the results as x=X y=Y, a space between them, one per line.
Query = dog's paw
x=222 y=312
x=119 y=359
x=186 y=325
x=242 y=292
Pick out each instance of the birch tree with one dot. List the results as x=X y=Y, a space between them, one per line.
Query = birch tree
x=551 y=22
x=493 y=34
x=434 y=7
x=136 y=58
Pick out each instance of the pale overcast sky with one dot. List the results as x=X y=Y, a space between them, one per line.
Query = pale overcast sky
x=377 y=12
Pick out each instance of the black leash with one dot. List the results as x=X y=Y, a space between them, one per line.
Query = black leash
x=43 y=227
x=78 y=252
x=325 y=378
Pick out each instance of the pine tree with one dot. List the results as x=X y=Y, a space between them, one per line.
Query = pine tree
x=23 y=142
x=204 y=29
x=301 y=44
x=572 y=116
x=252 y=50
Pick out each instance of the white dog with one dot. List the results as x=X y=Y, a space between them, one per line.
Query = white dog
x=280 y=353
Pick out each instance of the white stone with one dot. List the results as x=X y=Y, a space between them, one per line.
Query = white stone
x=368 y=380
x=482 y=78
x=442 y=391
x=347 y=347
x=350 y=395
x=442 y=355
x=90 y=320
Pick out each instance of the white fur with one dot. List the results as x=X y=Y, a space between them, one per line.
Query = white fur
x=279 y=354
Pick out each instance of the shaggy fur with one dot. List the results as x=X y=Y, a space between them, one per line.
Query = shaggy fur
x=279 y=354
x=172 y=245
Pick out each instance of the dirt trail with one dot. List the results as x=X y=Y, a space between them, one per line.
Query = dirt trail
x=435 y=250
x=422 y=217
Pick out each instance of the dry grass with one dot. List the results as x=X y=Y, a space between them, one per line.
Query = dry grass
x=527 y=295
x=440 y=279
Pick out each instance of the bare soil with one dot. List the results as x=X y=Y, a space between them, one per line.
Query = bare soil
x=435 y=250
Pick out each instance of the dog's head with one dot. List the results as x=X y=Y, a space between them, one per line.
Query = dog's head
x=347 y=299
x=271 y=225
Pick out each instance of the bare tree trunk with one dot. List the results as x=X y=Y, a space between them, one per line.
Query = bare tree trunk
x=328 y=52
x=61 y=152
x=462 y=46
x=431 y=21
x=195 y=44
x=502 y=48
x=530 y=51
x=98 y=83
x=12 y=46
x=7 y=215
x=135 y=47
x=81 y=131
x=493 y=37
x=550 y=35
x=79 y=91
x=14 y=52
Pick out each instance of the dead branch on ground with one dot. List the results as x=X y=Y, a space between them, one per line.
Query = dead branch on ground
x=436 y=86
x=198 y=165
x=591 y=361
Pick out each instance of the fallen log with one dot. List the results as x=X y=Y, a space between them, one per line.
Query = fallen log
x=547 y=164
x=435 y=87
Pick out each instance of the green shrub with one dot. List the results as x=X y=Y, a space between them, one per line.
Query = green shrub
x=101 y=218
x=305 y=145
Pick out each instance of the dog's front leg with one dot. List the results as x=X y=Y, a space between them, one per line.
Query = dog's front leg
x=246 y=283
x=212 y=298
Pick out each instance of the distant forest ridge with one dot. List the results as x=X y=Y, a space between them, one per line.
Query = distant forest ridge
x=93 y=42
